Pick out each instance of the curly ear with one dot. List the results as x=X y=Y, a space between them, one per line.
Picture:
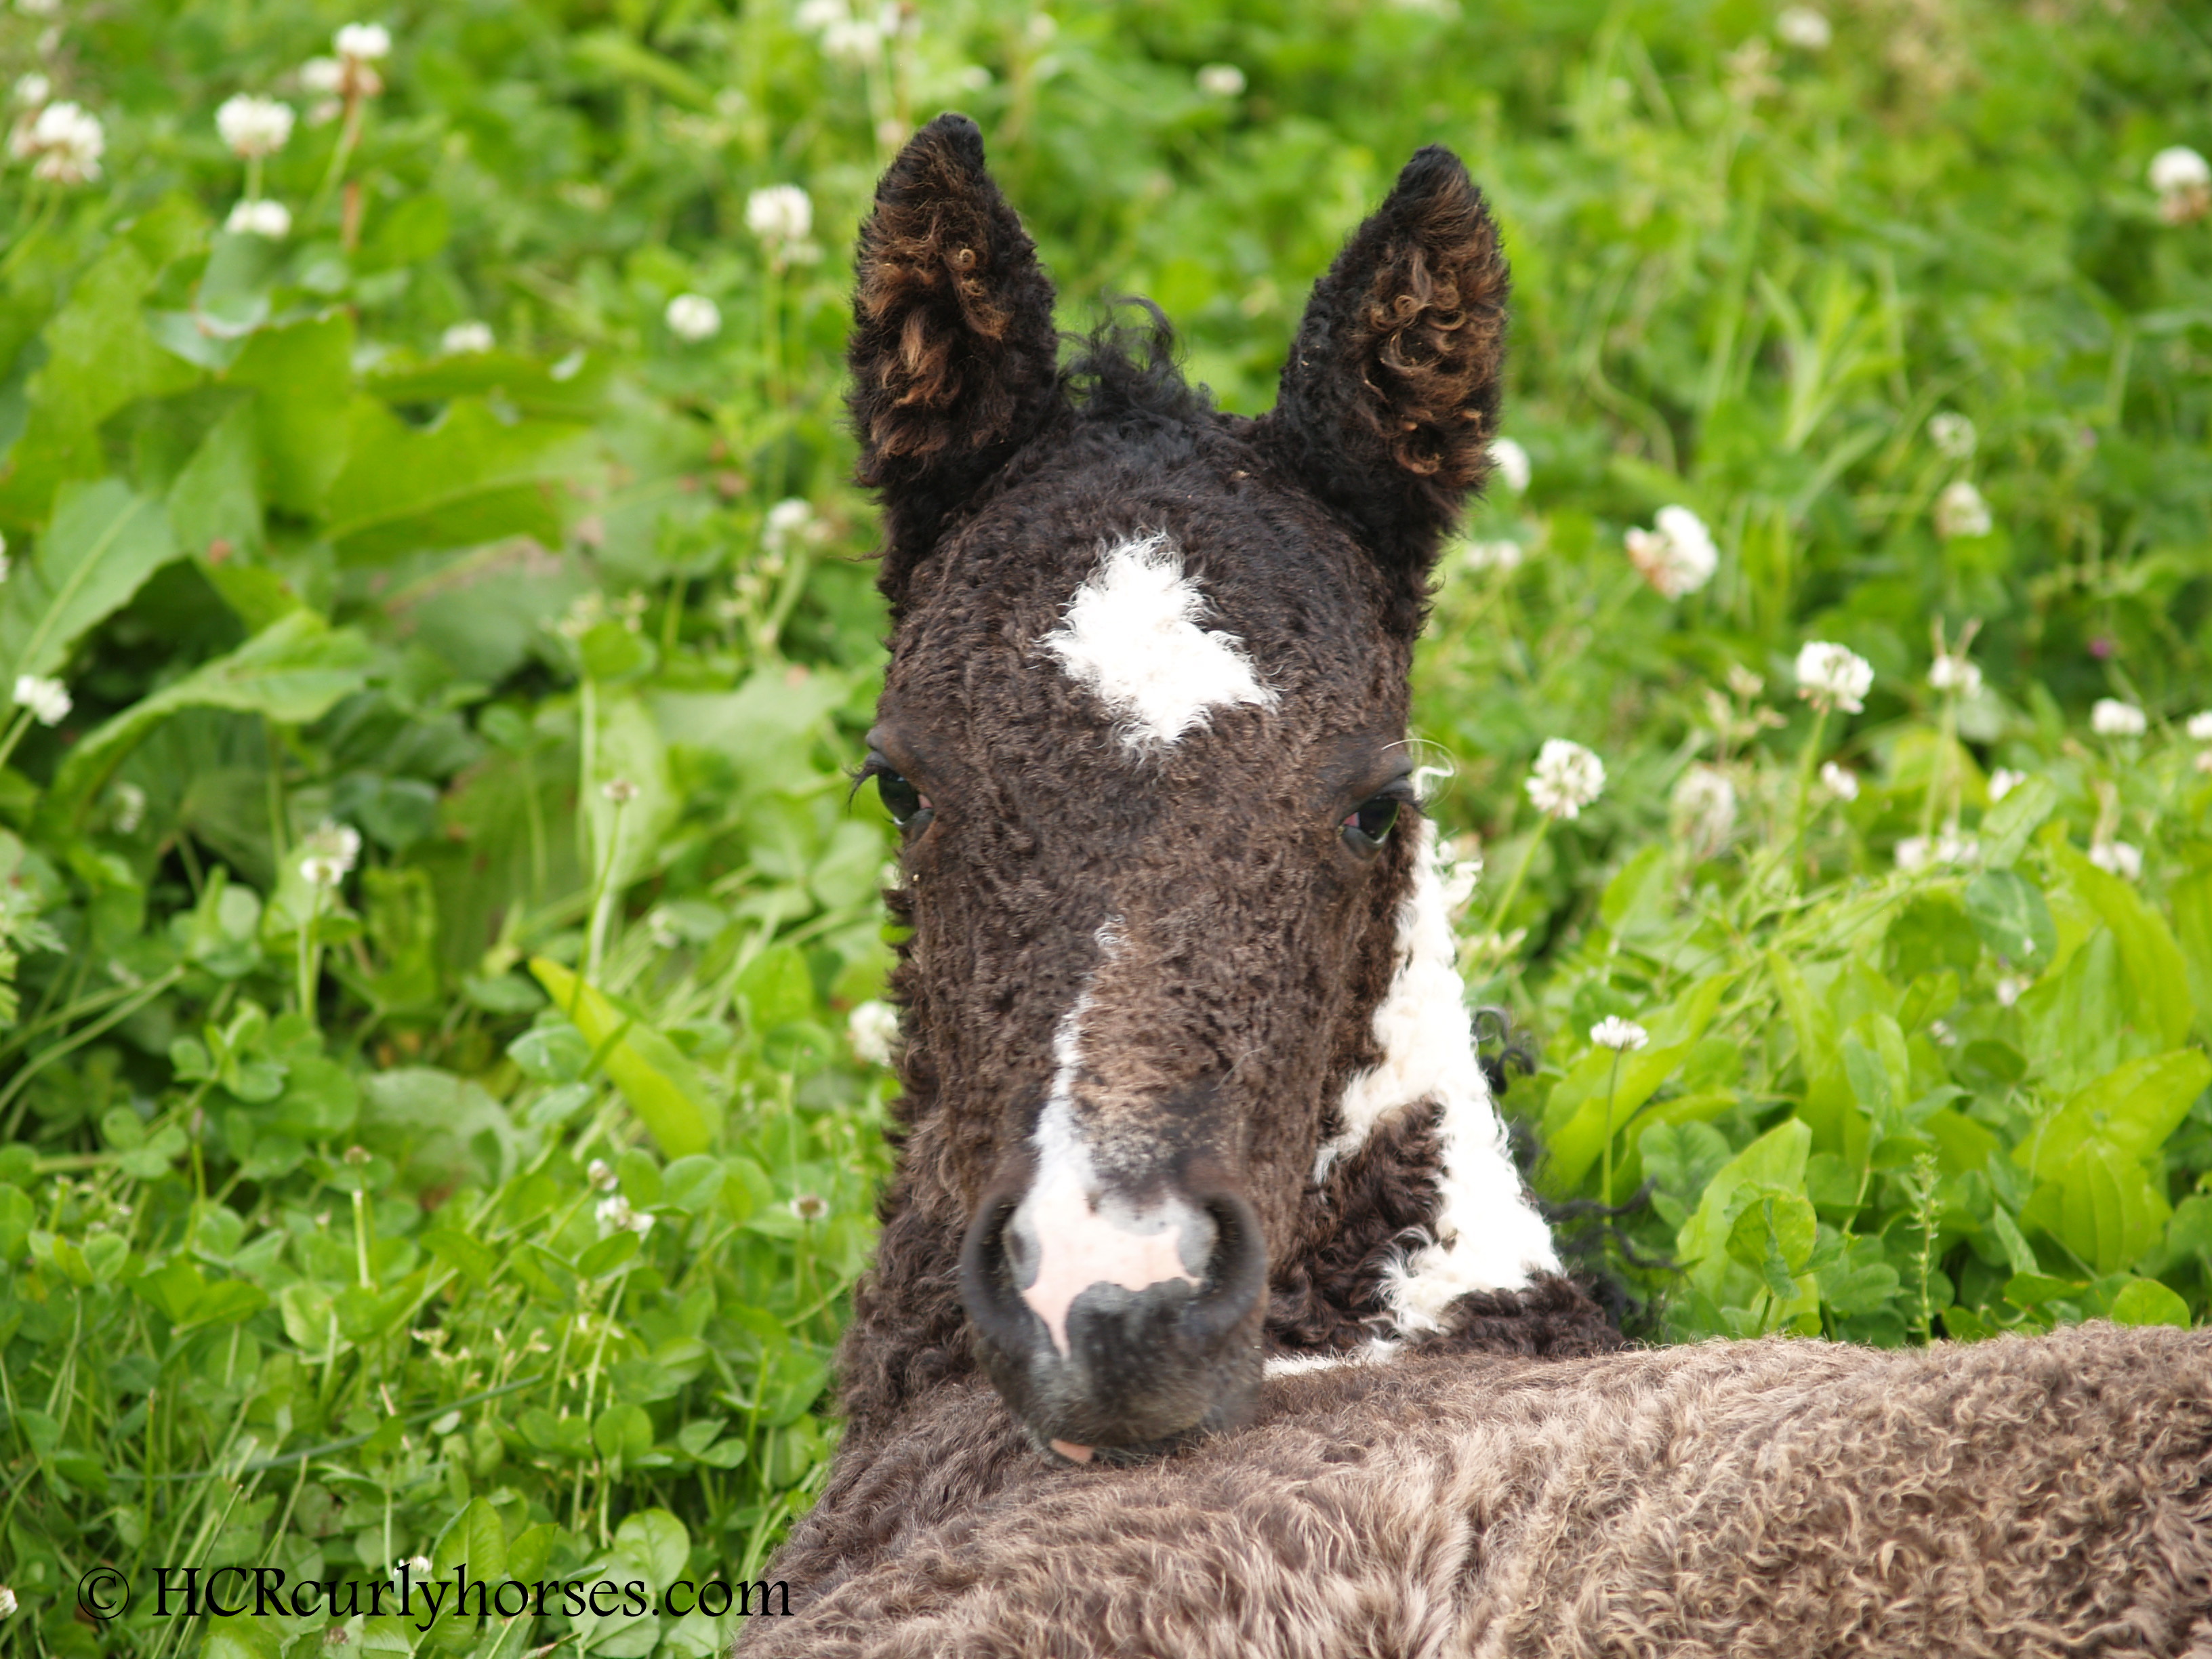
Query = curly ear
x=953 y=355
x=1389 y=400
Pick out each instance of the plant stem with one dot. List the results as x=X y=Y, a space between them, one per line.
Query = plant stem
x=1612 y=1084
x=16 y=727
x=604 y=897
x=1520 y=874
x=1806 y=762
x=310 y=964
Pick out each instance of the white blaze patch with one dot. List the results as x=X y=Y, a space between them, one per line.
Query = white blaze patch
x=1083 y=1237
x=1131 y=635
x=1487 y=1235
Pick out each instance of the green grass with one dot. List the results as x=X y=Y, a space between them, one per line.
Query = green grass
x=322 y=1281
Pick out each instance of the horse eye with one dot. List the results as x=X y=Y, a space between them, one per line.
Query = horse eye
x=907 y=804
x=1367 y=828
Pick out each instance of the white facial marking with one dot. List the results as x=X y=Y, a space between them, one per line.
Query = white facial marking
x=1083 y=1236
x=1487 y=1236
x=1131 y=635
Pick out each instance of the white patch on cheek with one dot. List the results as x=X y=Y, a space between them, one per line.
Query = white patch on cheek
x=1487 y=1235
x=1082 y=1235
x=1131 y=635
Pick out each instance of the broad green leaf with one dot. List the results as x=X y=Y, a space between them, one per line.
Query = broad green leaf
x=529 y=385
x=1773 y=1163
x=2190 y=901
x=476 y=1539
x=623 y=1431
x=474 y=1260
x=215 y=499
x=2008 y=826
x=775 y=714
x=2019 y=1256
x=103 y=543
x=2101 y=1206
x=470 y=478
x=16 y=1215
x=2158 y=977
x=2146 y=1302
x=2134 y=1109
x=658 y=1539
x=2008 y=913
x=100 y=357
x=662 y=1086
x=291 y=673
x=242 y=1638
x=1773 y=1235
x=302 y=374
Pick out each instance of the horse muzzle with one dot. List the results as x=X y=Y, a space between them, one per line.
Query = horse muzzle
x=1113 y=1328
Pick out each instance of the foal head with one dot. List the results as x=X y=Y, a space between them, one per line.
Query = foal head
x=1188 y=1075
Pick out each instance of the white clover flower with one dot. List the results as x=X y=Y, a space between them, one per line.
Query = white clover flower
x=130 y=808
x=1804 y=29
x=2003 y=782
x=324 y=75
x=48 y=700
x=2117 y=858
x=856 y=40
x=1502 y=556
x=1221 y=80
x=778 y=214
x=815 y=16
x=2111 y=718
x=1676 y=557
x=465 y=339
x=1951 y=848
x=326 y=855
x=368 y=43
x=34 y=89
x=601 y=1174
x=2179 y=168
x=1566 y=778
x=417 y=1566
x=260 y=218
x=615 y=1215
x=1839 y=780
x=1512 y=463
x=693 y=317
x=1952 y=435
x=790 y=519
x=1618 y=1035
x=1961 y=511
x=1920 y=853
x=661 y=924
x=873 y=1028
x=253 y=126
x=7 y=1601
x=63 y=143
x=2183 y=180
x=620 y=791
x=1704 y=809
x=2009 y=989
x=38 y=8
x=2199 y=725
x=1955 y=673
x=1831 y=676
x=808 y=1206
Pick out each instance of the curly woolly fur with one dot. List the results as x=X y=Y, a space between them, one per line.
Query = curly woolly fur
x=1779 y=1497
x=1179 y=947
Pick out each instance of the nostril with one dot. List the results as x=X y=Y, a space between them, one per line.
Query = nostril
x=1235 y=1270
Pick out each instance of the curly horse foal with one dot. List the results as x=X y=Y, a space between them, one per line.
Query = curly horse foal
x=1210 y=1315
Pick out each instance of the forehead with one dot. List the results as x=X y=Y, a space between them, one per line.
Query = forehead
x=1152 y=588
